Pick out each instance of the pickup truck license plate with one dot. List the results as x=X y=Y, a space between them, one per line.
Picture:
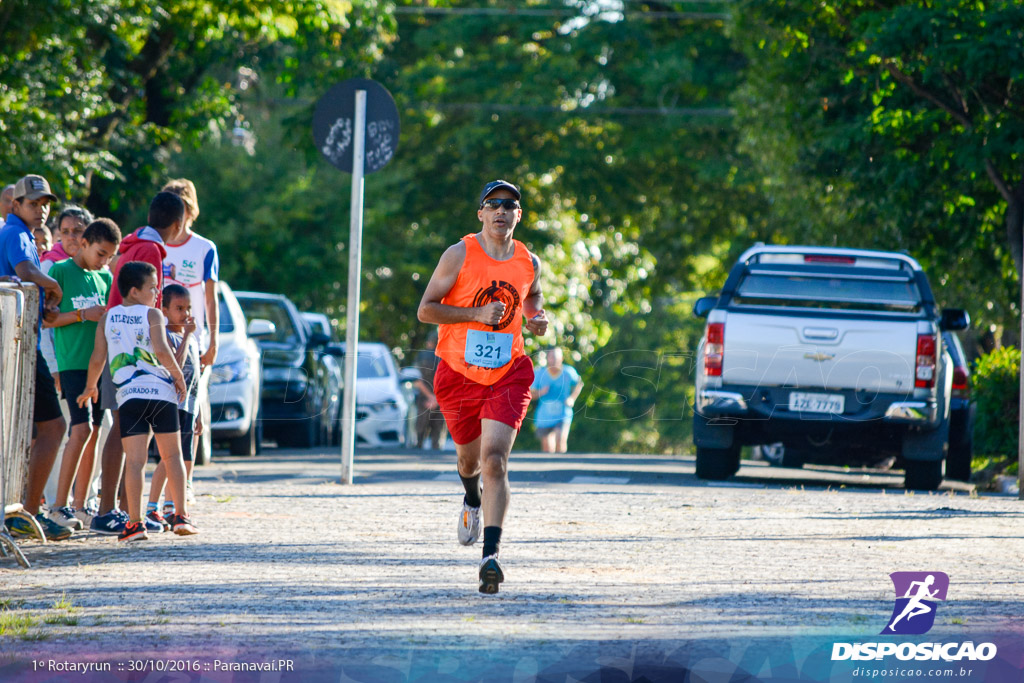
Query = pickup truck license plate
x=816 y=403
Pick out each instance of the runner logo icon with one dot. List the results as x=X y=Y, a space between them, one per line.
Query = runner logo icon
x=917 y=595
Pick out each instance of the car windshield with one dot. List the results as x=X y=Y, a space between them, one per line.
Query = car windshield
x=275 y=312
x=896 y=294
x=371 y=366
x=225 y=322
x=317 y=326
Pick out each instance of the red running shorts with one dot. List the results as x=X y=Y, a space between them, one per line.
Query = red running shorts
x=465 y=402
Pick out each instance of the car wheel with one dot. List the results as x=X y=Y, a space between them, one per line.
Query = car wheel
x=323 y=429
x=958 y=460
x=717 y=464
x=299 y=433
x=259 y=434
x=922 y=475
x=247 y=444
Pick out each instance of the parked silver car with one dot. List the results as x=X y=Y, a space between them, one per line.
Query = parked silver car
x=381 y=406
x=236 y=379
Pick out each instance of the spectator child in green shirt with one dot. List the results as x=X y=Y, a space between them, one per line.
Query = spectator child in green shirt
x=86 y=282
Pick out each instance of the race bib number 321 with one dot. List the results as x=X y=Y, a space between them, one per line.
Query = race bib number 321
x=488 y=349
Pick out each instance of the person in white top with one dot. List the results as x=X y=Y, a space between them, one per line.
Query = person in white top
x=132 y=338
x=193 y=263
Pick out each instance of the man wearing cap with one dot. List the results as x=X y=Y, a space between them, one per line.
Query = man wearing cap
x=478 y=295
x=19 y=257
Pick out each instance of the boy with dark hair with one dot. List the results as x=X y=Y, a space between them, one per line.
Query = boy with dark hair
x=181 y=335
x=68 y=229
x=86 y=283
x=132 y=339
x=43 y=239
x=166 y=214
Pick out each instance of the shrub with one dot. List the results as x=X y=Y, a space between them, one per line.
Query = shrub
x=996 y=381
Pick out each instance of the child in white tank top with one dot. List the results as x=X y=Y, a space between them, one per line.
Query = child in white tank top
x=131 y=336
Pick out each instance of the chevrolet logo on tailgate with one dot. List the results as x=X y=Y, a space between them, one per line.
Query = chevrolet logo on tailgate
x=819 y=356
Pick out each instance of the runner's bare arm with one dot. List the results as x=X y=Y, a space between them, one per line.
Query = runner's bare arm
x=162 y=351
x=96 y=361
x=431 y=310
x=533 y=305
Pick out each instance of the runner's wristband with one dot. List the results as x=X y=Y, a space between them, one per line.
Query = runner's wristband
x=79 y=314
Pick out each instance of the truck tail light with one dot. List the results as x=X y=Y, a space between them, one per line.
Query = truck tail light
x=924 y=376
x=961 y=382
x=714 y=349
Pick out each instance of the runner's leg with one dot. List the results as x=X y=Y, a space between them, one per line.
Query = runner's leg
x=562 y=434
x=495 y=444
x=113 y=464
x=41 y=459
x=136 y=448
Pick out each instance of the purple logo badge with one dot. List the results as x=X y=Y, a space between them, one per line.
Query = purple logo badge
x=917 y=594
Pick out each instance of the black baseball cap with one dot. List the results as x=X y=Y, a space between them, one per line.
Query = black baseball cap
x=497 y=185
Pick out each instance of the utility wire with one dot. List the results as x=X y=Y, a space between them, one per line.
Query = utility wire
x=692 y=112
x=567 y=12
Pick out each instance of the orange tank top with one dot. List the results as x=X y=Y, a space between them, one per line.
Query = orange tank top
x=481 y=281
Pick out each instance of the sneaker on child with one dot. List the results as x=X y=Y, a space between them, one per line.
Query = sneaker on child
x=133 y=531
x=85 y=515
x=110 y=524
x=155 y=517
x=182 y=525
x=19 y=526
x=65 y=516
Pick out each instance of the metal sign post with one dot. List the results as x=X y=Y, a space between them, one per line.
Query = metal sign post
x=355 y=126
x=355 y=269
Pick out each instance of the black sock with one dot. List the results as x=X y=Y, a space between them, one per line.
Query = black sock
x=472 y=486
x=492 y=539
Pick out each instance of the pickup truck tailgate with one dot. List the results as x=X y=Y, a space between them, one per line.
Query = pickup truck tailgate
x=826 y=353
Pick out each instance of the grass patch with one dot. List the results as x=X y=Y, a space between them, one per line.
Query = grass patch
x=35 y=635
x=10 y=603
x=61 y=619
x=64 y=603
x=13 y=624
x=634 y=620
x=224 y=499
x=961 y=621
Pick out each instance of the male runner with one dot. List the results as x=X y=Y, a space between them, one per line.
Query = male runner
x=479 y=292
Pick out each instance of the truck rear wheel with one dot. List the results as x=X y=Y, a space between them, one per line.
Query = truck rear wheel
x=717 y=464
x=922 y=475
x=958 y=461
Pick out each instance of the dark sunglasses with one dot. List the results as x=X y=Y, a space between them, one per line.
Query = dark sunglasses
x=507 y=204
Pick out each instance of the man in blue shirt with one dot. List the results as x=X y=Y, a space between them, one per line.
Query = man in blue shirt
x=19 y=257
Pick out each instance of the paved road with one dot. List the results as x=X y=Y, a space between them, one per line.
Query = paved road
x=597 y=549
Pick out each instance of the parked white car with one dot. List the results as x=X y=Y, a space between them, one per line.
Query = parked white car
x=381 y=407
x=236 y=379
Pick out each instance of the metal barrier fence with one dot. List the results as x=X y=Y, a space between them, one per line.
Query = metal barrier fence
x=19 y=316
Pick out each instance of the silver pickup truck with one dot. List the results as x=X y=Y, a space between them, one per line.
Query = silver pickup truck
x=826 y=349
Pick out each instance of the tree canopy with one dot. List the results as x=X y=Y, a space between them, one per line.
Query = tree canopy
x=654 y=141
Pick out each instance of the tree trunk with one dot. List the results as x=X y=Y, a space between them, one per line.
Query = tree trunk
x=1015 y=228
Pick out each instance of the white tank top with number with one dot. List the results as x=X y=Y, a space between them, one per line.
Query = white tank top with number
x=135 y=370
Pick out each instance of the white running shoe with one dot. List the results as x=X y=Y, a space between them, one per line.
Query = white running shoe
x=469 y=524
x=65 y=516
x=84 y=515
x=190 y=495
